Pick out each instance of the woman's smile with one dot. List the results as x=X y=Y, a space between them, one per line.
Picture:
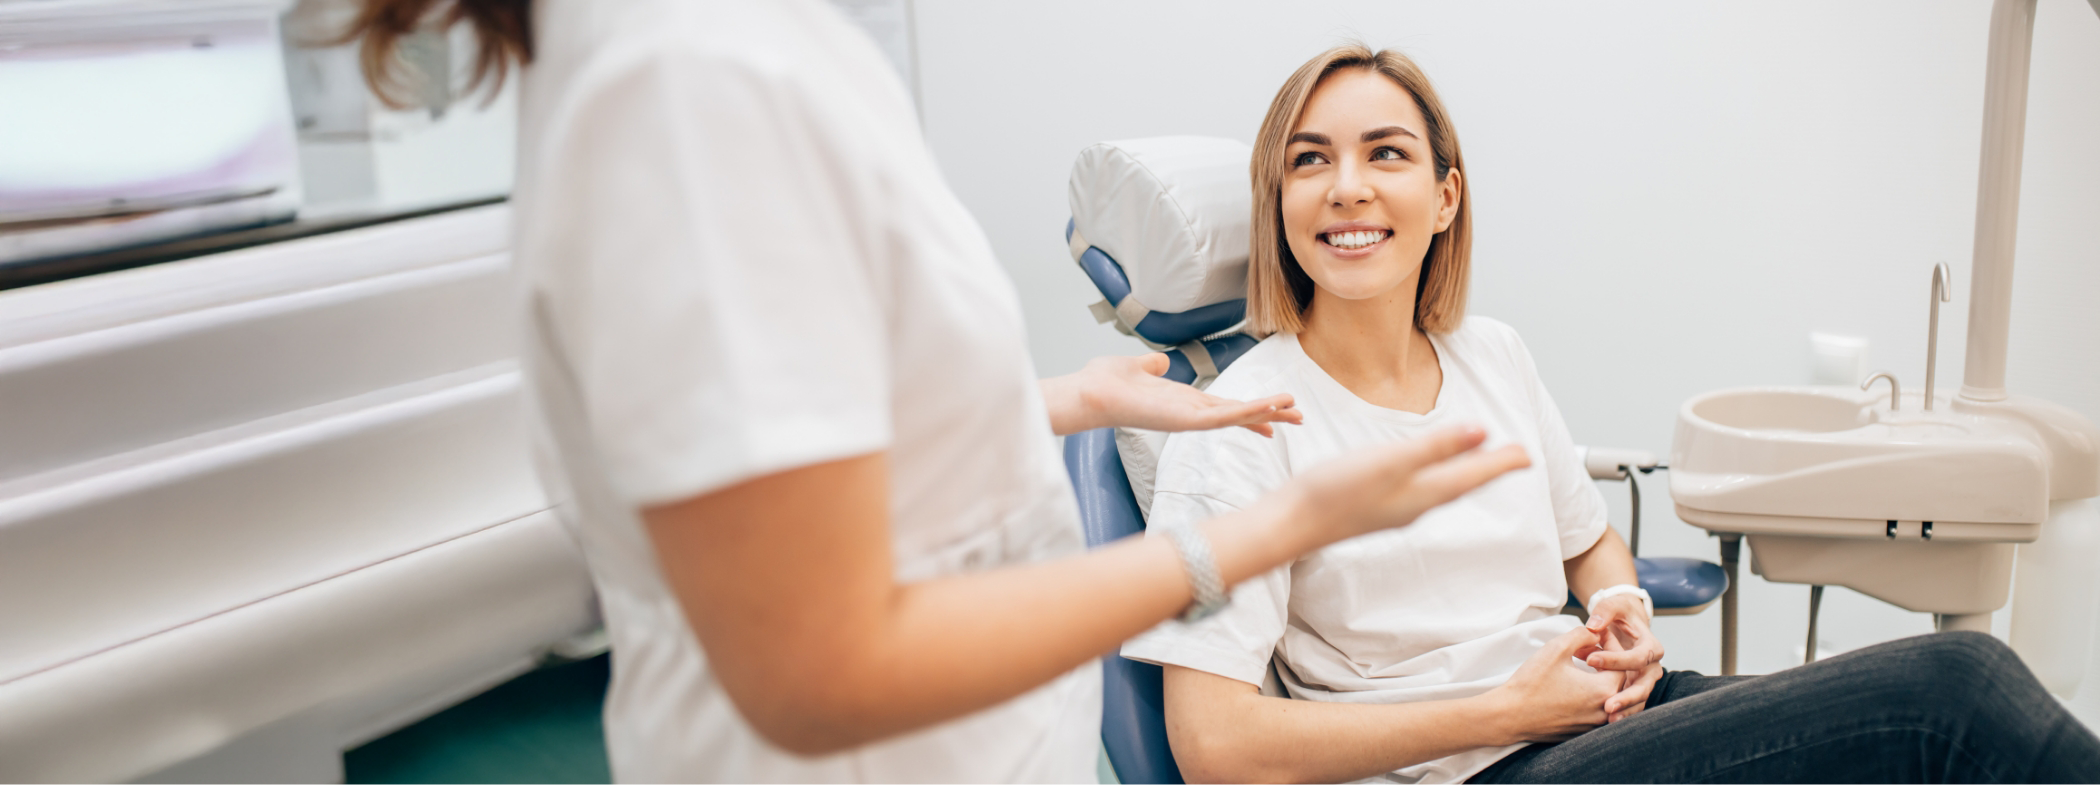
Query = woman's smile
x=1354 y=239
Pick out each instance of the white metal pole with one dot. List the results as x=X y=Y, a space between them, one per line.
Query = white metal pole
x=1998 y=198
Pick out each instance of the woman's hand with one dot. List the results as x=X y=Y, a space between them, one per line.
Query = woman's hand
x=1628 y=648
x=1552 y=697
x=1128 y=392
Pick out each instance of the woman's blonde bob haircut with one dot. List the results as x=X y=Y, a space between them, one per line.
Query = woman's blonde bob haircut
x=1278 y=290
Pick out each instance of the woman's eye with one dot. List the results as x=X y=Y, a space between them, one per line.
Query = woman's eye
x=1307 y=159
x=1388 y=154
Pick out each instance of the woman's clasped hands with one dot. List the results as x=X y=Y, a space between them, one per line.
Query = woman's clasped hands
x=1589 y=676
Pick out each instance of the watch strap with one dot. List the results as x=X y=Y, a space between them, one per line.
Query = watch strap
x=1647 y=602
x=1205 y=583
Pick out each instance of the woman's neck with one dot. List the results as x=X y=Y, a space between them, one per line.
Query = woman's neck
x=1373 y=348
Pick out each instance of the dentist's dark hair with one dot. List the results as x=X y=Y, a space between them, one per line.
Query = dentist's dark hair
x=502 y=35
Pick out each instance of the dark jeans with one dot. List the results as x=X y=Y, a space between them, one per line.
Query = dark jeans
x=1950 y=707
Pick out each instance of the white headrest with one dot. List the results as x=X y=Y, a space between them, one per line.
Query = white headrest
x=1172 y=211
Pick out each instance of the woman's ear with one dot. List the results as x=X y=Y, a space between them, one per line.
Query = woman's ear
x=1450 y=192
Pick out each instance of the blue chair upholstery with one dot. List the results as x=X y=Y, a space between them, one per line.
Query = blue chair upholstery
x=1676 y=582
x=1133 y=715
x=1158 y=327
x=1222 y=351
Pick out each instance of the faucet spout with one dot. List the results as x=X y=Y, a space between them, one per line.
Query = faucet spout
x=1942 y=283
x=1895 y=388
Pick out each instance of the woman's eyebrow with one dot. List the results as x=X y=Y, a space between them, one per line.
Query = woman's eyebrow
x=1376 y=134
x=1308 y=136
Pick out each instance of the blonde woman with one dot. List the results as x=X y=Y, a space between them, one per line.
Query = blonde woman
x=787 y=408
x=1437 y=652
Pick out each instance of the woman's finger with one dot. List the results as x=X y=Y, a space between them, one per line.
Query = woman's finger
x=1635 y=697
x=1631 y=660
x=1568 y=643
x=1635 y=693
x=1642 y=655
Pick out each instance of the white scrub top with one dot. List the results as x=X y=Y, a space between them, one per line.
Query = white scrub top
x=1445 y=607
x=738 y=258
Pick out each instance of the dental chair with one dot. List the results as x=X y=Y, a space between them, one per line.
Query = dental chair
x=1159 y=227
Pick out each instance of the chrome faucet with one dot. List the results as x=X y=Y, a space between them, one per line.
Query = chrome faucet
x=1941 y=281
x=1895 y=389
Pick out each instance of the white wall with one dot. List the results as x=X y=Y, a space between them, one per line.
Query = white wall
x=1670 y=196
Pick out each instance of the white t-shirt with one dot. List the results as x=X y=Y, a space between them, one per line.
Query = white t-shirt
x=1446 y=607
x=738 y=257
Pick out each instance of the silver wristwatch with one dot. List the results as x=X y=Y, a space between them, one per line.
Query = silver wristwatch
x=1202 y=568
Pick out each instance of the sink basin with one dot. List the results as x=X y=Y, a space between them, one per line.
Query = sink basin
x=1837 y=462
x=1833 y=486
x=1807 y=411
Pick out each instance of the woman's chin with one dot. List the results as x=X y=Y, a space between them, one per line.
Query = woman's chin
x=1357 y=287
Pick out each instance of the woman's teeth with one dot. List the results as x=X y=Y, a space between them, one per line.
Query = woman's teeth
x=1350 y=241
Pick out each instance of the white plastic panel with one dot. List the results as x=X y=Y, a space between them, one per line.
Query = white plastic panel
x=499 y=593
x=77 y=398
x=121 y=555
x=102 y=302
x=283 y=493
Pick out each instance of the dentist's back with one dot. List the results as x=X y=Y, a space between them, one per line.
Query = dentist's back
x=739 y=258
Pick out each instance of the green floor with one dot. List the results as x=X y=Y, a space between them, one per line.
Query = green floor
x=543 y=726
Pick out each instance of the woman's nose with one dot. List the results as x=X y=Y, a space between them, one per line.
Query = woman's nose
x=1349 y=187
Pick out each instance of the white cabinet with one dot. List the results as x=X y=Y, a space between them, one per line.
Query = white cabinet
x=282 y=494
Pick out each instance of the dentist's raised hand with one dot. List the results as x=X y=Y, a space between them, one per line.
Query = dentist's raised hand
x=1128 y=392
x=1390 y=485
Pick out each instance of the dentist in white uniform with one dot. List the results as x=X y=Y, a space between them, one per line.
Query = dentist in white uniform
x=786 y=403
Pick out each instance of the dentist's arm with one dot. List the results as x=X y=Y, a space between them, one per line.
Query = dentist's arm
x=1128 y=391
x=789 y=584
x=1227 y=731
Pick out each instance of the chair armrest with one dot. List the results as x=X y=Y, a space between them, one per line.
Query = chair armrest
x=1605 y=463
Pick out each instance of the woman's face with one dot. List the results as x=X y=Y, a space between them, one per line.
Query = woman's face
x=1360 y=194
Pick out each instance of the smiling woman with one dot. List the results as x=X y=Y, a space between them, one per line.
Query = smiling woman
x=1278 y=287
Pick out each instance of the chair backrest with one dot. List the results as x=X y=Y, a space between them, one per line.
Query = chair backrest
x=1159 y=226
x=1172 y=211
x=1133 y=715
